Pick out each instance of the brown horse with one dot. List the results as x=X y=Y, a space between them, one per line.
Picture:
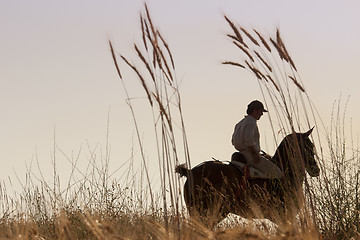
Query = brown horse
x=214 y=189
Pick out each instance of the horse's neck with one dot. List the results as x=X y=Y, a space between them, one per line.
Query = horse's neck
x=281 y=159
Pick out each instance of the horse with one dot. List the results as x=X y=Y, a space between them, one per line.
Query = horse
x=214 y=189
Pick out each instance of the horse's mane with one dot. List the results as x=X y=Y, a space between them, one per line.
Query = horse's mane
x=293 y=147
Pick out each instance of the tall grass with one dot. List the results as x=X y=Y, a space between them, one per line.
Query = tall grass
x=158 y=79
x=337 y=192
x=94 y=204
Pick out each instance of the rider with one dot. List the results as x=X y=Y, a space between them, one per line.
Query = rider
x=246 y=139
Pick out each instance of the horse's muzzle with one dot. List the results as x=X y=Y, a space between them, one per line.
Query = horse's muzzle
x=314 y=171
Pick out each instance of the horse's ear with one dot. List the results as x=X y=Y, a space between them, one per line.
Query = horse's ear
x=309 y=132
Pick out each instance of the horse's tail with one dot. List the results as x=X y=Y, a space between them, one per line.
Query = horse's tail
x=182 y=170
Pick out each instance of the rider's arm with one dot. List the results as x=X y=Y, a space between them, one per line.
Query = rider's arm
x=249 y=131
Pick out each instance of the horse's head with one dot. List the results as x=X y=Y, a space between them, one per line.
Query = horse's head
x=296 y=154
x=308 y=154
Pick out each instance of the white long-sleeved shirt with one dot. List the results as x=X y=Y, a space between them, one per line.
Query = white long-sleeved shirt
x=246 y=134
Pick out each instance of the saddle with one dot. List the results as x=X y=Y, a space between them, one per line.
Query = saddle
x=239 y=161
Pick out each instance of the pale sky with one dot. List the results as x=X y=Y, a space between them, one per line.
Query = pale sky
x=57 y=75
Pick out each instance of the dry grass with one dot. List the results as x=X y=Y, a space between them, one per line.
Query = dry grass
x=98 y=206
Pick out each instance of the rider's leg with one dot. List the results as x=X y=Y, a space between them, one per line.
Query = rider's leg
x=264 y=165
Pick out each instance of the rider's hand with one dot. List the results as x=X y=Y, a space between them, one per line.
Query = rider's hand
x=265 y=155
